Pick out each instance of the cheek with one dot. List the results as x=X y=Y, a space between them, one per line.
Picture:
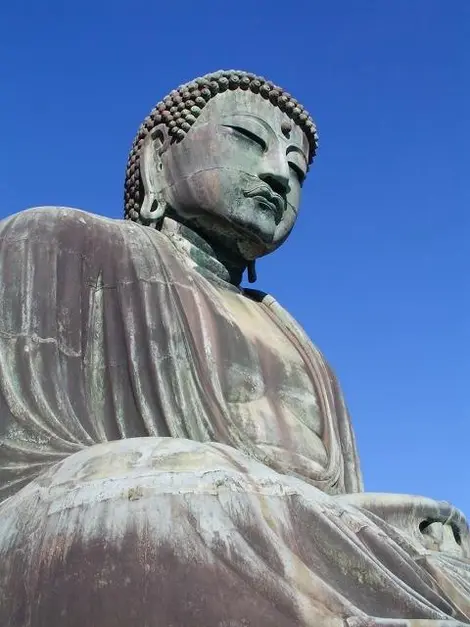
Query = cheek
x=286 y=225
x=185 y=159
x=214 y=190
x=202 y=190
x=293 y=197
x=200 y=151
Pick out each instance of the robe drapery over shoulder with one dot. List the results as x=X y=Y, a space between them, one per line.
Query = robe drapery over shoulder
x=106 y=332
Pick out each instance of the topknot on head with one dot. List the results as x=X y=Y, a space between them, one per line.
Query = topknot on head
x=181 y=108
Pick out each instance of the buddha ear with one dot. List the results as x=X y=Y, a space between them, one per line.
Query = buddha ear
x=152 y=175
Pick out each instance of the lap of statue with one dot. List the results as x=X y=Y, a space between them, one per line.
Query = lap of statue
x=201 y=534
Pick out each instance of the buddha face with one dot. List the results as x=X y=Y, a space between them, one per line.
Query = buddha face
x=237 y=174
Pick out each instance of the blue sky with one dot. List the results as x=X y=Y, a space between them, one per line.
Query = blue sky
x=377 y=267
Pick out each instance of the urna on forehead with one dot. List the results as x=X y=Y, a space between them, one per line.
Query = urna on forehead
x=182 y=107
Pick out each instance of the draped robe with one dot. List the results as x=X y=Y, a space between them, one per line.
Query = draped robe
x=107 y=334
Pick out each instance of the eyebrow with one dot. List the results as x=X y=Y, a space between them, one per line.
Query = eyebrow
x=294 y=148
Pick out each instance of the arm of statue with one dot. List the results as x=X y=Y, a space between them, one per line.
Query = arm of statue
x=436 y=525
x=76 y=320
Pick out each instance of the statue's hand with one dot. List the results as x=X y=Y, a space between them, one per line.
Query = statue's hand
x=435 y=525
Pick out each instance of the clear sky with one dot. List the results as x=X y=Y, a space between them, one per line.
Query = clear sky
x=377 y=269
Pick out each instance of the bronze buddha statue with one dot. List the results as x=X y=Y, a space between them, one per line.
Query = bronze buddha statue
x=173 y=449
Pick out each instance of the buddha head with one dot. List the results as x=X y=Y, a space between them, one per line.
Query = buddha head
x=226 y=155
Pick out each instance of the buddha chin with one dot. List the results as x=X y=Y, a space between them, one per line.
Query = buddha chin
x=259 y=224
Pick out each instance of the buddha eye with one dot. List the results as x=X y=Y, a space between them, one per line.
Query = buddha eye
x=300 y=174
x=246 y=133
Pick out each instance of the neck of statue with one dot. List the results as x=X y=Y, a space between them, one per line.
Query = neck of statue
x=213 y=262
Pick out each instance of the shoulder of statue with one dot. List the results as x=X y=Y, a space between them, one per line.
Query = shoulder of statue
x=116 y=250
x=51 y=215
x=47 y=211
x=50 y=220
x=83 y=232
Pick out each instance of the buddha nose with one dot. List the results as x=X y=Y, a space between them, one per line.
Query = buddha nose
x=276 y=173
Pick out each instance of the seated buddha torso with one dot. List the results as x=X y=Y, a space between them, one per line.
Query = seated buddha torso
x=266 y=382
x=120 y=336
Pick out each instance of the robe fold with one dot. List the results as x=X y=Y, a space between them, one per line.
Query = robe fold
x=106 y=333
x=162 y=464
x=170 y=532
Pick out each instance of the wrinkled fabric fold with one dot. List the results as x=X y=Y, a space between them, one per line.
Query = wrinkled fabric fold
x=126 y=473
x=107 y=333
x=179 y=529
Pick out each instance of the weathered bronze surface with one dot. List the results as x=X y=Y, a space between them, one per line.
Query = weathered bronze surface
x=173 y=449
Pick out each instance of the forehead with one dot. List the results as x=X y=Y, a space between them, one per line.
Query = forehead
x=245 y=103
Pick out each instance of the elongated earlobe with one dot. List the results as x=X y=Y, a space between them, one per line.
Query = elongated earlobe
x=151 y=168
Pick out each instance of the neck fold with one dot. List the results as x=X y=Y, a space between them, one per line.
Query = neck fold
x=215 y=264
